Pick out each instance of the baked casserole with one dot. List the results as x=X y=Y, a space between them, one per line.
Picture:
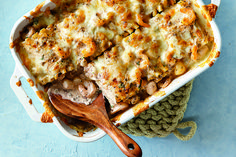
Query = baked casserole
x=126 y=49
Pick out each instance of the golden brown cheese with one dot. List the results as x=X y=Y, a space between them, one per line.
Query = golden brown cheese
x=172 y=44
x=125 y=46
x=46 y=60
x=62 y=46
x=78 y=29
x=183 y=32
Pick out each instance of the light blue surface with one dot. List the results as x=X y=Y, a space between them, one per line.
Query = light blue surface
x=212 y=106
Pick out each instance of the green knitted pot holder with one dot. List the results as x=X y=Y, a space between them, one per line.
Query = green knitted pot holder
x=163 y=118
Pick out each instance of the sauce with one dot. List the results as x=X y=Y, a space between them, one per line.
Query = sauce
x=30 y=101
x=31 y=82
x=18 y=83
x=40 y=94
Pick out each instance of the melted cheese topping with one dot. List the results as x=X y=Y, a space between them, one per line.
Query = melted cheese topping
x=121 y=44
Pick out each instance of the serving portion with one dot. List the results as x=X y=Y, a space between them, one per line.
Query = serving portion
x=126 y=49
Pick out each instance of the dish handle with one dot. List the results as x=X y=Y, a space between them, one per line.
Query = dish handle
x=23 y=97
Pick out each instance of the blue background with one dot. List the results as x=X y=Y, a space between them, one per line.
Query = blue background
x=211 y=106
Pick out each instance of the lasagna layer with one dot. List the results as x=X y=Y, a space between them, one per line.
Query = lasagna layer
x=130 y=48
x=155 y=55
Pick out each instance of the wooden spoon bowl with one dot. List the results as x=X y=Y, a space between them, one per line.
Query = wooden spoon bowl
x=96 y=114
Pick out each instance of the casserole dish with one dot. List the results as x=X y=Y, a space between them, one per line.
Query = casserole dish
x=22 y=71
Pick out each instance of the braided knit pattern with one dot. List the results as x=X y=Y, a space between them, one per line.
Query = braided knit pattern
x=163 y=118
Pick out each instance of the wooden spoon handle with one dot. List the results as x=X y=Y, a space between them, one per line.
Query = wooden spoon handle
x=96 y=114
x=128 y=146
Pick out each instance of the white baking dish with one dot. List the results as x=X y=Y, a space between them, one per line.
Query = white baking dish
x=21 y=71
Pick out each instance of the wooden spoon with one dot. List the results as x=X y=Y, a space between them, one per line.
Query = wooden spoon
x=96 y=114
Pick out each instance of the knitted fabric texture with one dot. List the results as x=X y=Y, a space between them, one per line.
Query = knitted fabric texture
x=163 y=118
